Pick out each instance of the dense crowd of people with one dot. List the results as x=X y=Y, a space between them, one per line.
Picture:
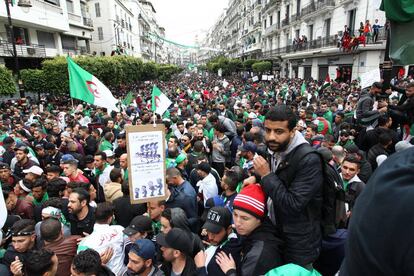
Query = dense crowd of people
x=263 y=177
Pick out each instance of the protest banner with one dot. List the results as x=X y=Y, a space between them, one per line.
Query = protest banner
x=264 y=77
x=146 y=166
x=255 y=78
x=368 y=78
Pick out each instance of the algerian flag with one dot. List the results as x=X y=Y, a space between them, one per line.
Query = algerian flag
x=128 y=99
x=401 y=16
x=84 y=86
x=3 y=210
x=326 y=83
x=160 y=102
x=303 y=89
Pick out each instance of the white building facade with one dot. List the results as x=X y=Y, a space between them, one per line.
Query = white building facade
x=47 y=29
x=266 y=29
x=126 y=27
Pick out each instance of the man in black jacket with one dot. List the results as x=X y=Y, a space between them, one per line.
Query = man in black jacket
x=221 y=237
x=380 y=239
x=366 y=103
x=295 y=207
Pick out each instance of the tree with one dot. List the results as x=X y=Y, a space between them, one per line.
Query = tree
x=262 y=67
x=7 y=83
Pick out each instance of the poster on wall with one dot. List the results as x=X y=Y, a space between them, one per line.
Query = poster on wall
x=146 y=166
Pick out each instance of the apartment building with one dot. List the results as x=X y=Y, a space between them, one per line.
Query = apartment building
x=301 y=37
x=127 y=27
x=47 y=29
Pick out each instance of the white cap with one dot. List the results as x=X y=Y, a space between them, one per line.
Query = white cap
x=252 y=115
x=109 y=153
x=34 y=170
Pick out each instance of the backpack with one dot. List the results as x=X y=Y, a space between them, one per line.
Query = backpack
x=331 y=185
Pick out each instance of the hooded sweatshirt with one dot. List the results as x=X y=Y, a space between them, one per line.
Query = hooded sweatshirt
x=275 y=159
x=179 y=220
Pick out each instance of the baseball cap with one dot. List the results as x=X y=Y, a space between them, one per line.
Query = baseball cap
x=66 y=157
x=249 y=146
x=177 y=239
x=4 y=166
x=138 y=224
x=109 y=153
x=252 y=115
x=39 y=146
x=143 y=248
x=50 y=146
x=217 y=218
x=34 y=170
x=22 y=148
x=8 y=140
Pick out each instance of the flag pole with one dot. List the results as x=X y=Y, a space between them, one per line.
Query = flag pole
x=154 y=117
x=71 y=100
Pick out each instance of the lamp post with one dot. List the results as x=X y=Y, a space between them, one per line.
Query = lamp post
x=26 y=5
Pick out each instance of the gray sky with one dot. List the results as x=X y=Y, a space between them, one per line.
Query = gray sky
x=184 y=19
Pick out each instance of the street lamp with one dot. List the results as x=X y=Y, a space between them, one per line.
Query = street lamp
x=26 y=5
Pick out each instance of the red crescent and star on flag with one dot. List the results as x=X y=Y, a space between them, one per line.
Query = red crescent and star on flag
x=92 y=87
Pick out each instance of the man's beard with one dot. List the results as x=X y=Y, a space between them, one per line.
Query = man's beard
x=278 y=147
x=132 y=273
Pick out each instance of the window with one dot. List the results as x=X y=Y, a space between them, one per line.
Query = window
x=53 y=2
x=69 y=6
x=97 y=10
x=265 y=23
x=21 y=35
x=271 y=20
x=297 y=7
x=100 y=33
x=310 y=32
x=351 y=20
x=297 y=33
x=68 y=42
x=327 y=27
x=278 y=18
x=46 y=39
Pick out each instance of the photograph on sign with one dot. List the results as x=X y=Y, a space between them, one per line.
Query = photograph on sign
x=146 y=166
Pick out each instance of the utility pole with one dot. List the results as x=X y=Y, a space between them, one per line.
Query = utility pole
x=16 y=59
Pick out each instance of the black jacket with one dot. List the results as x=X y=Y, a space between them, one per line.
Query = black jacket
x=90 y=146
x=365 y=106
x=374 y=152
x=231 y=246
x=380 y=240
x=260 y=251
x=297 y=207
x=125 y=211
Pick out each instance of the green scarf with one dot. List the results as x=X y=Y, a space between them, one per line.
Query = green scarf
x=98 y=172
x=38 y=203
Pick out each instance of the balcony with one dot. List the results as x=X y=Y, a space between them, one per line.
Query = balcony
x=271 y=4
x=87 y=22
x=32 y=50
x=285 y=22
x=272 y=29
x=74 y=18
x=316 y=7
x=295 y=17
x=319 y=43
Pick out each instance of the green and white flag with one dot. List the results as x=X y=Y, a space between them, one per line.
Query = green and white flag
x=3 y=210
x=303 y=89
x=400 y=13
x=160 y=102
x=84 y=86
x=128 y=99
